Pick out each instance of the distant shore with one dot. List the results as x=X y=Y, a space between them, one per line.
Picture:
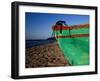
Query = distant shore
x=48 y=55
x=38 y=42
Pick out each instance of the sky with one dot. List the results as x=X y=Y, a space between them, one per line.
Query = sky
x=39 y=25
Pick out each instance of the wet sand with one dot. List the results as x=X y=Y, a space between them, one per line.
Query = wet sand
x=49 y=55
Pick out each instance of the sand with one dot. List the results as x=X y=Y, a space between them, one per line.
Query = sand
x=49 y=55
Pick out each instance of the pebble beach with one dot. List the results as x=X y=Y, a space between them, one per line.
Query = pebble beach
x=49 y=55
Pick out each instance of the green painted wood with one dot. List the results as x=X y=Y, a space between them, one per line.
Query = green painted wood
x=75 y=49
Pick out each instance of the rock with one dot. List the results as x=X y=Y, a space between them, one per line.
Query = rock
x=49 y=55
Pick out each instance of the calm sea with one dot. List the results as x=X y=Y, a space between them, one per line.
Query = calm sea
x=32 y=43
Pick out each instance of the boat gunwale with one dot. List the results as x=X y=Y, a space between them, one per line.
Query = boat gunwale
x=55 y=28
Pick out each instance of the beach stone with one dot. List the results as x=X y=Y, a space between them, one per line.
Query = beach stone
x=49 y=55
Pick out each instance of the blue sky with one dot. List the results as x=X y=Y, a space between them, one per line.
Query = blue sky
x=39 y=25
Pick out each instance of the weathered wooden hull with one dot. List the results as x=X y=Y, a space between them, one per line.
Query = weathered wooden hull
x=74 y=42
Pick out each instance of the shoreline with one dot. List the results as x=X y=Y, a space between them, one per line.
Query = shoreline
x=48 y=55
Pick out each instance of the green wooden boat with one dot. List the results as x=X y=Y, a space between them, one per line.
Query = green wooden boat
x=73 y=41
